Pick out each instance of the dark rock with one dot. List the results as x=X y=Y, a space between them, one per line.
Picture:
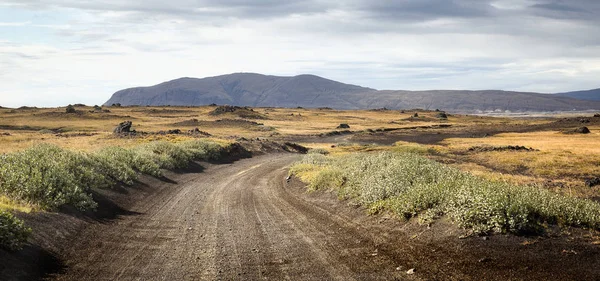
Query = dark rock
x=582 y=130
x=124 y=128
x=197 y=131
x=416 y=115
x=5 y=134
x=596 y=115
x=343 y=126
x=442 y=115
x=70 y=109
x=592 y=182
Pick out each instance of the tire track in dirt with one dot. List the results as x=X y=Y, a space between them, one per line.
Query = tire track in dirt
x=243 y=221
x=229 y=222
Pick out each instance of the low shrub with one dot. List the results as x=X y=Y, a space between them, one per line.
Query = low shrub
x=414 y=186
x=167 y=155
x=50 y=177
x=202 y=150
x=13 y=234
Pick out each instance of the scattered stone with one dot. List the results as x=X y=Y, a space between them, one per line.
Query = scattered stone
x=410 y=271
x=482 y=260
x=584 y=120
x=343 y=126
x=485 y=238
x=569 y=252
x=501 y=148
x=5 y=134
x=596 y=115
x=124 y=128
x=592 y=182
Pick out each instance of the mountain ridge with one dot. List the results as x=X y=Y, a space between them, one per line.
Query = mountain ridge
x=307 y=90
x=593 y=94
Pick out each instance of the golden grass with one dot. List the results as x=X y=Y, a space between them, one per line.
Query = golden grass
x=10 y=205
x=561 y=158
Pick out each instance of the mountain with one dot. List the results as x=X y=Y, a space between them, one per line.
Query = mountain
x=583 y=95
x=257 y=90
x=244 y=89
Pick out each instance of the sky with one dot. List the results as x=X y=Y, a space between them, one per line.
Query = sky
x=57 y=52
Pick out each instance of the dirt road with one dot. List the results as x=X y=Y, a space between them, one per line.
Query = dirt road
x=244 y=221
x=233 y=221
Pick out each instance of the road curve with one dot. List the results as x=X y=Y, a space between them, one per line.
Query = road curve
x=238 y=221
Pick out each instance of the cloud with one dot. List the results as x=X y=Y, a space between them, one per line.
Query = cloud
x=90 y=49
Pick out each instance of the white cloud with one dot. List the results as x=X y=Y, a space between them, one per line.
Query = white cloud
x=87 y=51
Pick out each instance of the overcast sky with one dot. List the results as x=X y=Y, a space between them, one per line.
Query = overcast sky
x=55 y=52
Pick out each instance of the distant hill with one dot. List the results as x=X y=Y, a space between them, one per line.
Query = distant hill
x=244 y=89
x=583 y=95
x=257 y=90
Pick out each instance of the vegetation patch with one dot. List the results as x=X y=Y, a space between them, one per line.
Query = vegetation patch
x=49 y=177
x=243 y=112
x=413 y=186
x=13 y=233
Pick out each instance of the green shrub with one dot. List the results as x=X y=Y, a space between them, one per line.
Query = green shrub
x=413 y=186
x=116 y=162
x=167 y=155
x=50 y=177
x=202 y=150
x=13 y=234
x=329 y=178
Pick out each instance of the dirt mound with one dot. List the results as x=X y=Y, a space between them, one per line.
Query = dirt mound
x=486 y=148
x=259 y=146
x=244 y=112
x=191 y=122
x=335 y=133
x=155 y=111
x=197 y=131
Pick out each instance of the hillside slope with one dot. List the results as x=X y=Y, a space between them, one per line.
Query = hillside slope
x=593 y=95
x=244 y=89
x=251 y=89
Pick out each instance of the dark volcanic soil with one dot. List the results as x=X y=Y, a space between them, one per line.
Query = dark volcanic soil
x=244 y=221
